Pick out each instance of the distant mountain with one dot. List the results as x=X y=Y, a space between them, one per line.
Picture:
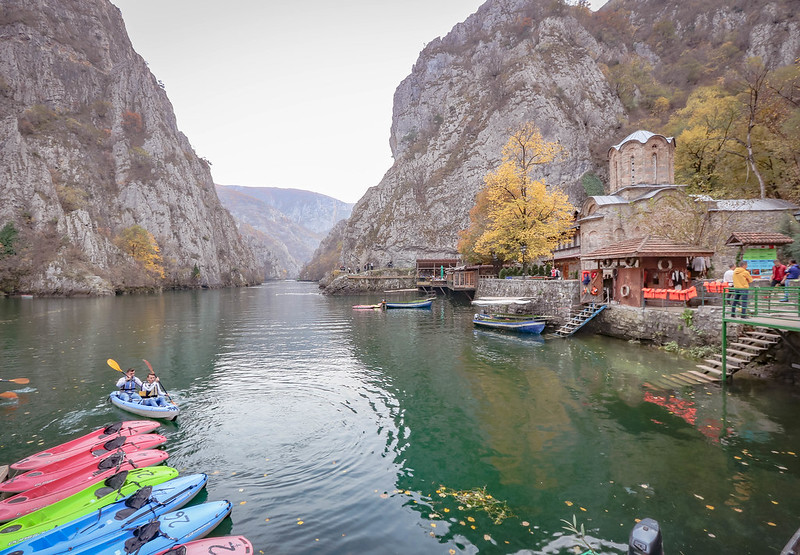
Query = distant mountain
x=282 y=226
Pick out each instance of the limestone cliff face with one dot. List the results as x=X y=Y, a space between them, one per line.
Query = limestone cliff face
x=89 y=147
x=532 y=60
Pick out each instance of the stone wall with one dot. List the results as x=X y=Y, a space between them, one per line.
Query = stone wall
x=550 y=297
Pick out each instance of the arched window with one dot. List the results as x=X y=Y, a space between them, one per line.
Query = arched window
x=655 y=168
x=633 y=170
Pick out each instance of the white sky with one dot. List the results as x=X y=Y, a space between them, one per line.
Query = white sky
x=288 y=93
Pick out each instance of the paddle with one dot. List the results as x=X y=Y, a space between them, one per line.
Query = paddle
x=162 y=385
x=9 y=395
x=113 y=364
x=20 y=381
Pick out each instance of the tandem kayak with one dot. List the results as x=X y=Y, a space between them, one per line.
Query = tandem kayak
x=137 y=509
x=84 y=460
x=423 y=303
x=41 y=496
x=162 y=533
x=169 y=412
x=229 y=545
x=86 y=501
x=97 y=437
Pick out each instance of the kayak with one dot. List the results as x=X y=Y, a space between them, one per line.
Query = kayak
x=229 y=545
x=83 y=460
x=368 y=306
x=87 y=501
x=97 y=437
x=184 y=525
x=137 y=509
x=41 y=496
x=170 y=412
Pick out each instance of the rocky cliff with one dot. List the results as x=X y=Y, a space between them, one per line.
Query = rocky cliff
x=284 y=226
x=585 y=79
x=90 y=148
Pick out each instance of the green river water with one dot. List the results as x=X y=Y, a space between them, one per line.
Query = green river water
x=341 y=431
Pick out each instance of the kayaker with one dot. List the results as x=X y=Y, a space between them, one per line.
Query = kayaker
x=152 y=392
x=129 y=385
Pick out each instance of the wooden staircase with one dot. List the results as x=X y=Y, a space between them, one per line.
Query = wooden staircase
x=747 y=347
x=579 y=319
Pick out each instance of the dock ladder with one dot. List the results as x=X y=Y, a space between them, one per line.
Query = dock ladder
x=579 y=319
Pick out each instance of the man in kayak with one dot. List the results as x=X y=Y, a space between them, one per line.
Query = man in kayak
x=152 y=392
x=129 y=385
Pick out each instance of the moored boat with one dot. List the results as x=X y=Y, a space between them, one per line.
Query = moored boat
x=82 y=461
x=510 y=324
x=368 y=306
x=41 y=496
x=129 y=512
x=169 y=412
x=86 y=501
x=421 y=303
x=72 y=447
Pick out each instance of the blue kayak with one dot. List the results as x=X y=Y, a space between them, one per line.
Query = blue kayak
x=169 y=412
x=136 y=509
x=181 y=526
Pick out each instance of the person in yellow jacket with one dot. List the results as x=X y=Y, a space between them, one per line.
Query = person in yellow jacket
x=741 y=281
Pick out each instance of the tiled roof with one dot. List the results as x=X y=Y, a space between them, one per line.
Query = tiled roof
x=756 y=238
x=647 y=247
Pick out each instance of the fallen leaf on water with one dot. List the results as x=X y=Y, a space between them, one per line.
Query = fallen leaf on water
x=487 y=537
x=526 y=523
x=699 y=497
x=774 y=502
x=710 y=507
x=433 y=525
x=771 y=523
x=471 y=519
x=737 y=509
x=568 y=503
x=299 y=522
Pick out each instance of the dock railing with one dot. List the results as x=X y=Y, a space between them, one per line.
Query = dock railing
x=770 y=307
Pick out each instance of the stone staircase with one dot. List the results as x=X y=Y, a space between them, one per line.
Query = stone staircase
x=740 y=352
x=579 y=319
x=748 y=346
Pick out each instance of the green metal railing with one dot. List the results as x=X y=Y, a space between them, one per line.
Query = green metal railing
x=769 y=307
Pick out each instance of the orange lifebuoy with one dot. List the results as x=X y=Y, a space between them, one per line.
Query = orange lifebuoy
x=594 y=290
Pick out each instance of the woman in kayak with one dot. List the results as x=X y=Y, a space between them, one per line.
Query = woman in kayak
x=152 y=392
x=129 y=385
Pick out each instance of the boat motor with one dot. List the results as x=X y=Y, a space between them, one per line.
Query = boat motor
x=645 y=538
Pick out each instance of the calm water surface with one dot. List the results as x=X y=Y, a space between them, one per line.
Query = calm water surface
x=338 y=431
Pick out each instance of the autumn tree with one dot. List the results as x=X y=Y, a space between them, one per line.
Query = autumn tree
x=142 y=247
x=514 y=209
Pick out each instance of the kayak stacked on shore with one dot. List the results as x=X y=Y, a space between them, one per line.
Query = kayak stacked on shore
x=105 y=493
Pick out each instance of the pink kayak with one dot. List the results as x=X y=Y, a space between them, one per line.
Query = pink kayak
x=41 y=496
x=97 y=437
x=233 y=545
x=86 y=459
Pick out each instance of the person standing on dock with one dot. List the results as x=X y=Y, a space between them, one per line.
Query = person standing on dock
x=741 y=281
x=792 y=274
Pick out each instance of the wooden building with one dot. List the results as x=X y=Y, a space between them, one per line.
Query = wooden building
x=635 y=270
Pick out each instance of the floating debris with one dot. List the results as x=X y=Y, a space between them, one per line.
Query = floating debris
x=477 y=498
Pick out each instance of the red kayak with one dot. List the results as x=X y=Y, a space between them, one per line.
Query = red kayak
x=86 y=459
x=38 y=497
x=233 y=545
x=97 y=437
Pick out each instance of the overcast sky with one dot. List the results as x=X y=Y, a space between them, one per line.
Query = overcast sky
x=287 y=93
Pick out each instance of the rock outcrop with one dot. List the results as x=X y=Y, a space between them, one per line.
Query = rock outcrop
x=572 y=73
x=89 y=147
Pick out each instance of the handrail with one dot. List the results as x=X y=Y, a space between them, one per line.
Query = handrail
x=781 y=303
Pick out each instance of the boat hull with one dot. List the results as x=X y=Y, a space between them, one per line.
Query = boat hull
x=170 y=412
x=229 y=545
x=518 y=326
x=427 y=303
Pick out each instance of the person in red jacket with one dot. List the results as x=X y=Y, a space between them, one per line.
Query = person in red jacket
x=778 y=273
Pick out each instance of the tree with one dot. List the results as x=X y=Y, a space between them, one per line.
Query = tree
x=142 y=247
x=514 y=210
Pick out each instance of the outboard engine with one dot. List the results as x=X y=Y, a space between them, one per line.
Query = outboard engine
x=645 y=538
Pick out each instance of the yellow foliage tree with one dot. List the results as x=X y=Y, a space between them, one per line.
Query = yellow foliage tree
x=143 y=247
x=513 y=209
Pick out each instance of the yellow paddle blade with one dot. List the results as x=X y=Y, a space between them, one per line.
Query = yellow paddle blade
x=113 y=364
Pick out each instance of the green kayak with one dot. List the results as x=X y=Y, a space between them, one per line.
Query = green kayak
x=82 y=503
